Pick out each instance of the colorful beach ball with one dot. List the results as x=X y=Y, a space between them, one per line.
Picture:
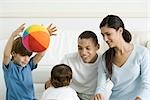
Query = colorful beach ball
x=36 y=38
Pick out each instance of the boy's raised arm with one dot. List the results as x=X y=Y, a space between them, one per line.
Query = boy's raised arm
x=8 y=47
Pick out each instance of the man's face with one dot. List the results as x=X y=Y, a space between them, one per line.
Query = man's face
x=87 y=50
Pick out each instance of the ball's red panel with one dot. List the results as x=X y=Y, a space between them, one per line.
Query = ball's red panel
x=36 y=38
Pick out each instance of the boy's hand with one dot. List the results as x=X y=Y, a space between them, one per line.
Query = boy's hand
x=18 y=30
x=51 y=29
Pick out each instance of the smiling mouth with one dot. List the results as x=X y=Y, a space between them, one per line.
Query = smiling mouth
x=24 y=63
x=84 y=57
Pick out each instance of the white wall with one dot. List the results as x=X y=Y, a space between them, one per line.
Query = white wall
x=73 y=8
x=71 y=18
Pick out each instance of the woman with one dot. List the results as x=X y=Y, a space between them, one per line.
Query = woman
x=127 y=65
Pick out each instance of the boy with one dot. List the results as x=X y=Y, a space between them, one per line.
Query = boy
x=18 y=66
x=61 y=76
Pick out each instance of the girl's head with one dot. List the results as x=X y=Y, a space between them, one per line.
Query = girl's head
x=88 y=46
x=113 y=31
x=20 y=55
x=61 y=75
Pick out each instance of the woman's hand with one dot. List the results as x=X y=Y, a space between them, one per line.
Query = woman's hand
x=51 y=29
x=99 y=97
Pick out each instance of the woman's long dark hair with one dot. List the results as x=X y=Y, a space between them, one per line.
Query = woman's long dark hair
x=113 y=21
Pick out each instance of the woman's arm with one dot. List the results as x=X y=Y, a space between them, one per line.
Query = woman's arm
x=101 y=90
x=144 y=93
